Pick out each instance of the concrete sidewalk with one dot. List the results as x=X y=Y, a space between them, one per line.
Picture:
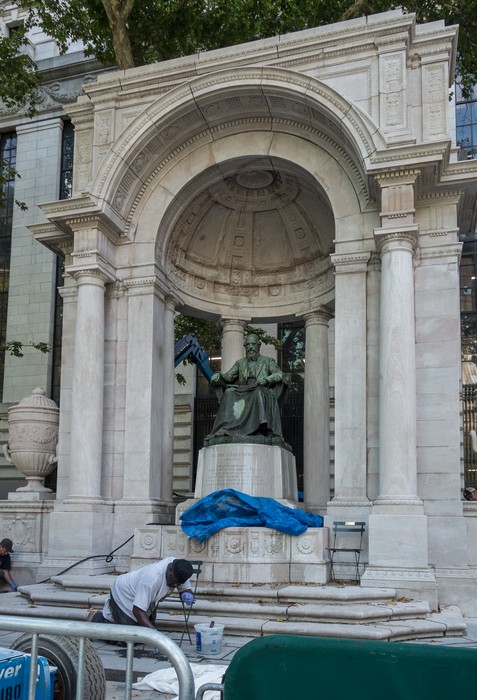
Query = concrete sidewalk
x=146 y=660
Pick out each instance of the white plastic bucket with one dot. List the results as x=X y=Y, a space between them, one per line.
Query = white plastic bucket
x=208 y=640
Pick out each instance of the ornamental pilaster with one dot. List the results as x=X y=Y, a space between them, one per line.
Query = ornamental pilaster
x=149 y=391
x=168 y=399
x=350 y=378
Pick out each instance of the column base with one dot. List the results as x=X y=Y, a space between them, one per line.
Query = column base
x=398 y=554
x=398 y=541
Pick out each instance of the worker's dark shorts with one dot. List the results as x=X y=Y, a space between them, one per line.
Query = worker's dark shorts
x=120 y=617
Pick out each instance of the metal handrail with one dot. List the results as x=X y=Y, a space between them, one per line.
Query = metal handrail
x=210 y=686
x=117 y=633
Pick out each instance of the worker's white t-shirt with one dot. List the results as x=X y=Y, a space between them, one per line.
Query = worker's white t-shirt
x=144 y=588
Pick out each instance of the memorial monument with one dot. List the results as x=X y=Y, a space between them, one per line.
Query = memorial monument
x=245 y=449
x=310 y=178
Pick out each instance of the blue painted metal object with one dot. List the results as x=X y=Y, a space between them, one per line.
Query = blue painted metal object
x=15 y=676
x=188 y=348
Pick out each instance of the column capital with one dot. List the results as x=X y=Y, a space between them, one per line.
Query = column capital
x=404 y=237
x=91 y=262
x=170 y=302
x=320 y=316
x=89 y=276
x=68 y=293
x=228 y=322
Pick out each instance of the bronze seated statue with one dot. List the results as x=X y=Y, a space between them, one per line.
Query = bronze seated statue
x=250 y=395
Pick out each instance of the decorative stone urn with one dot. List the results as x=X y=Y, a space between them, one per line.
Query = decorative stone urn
x=33 y=436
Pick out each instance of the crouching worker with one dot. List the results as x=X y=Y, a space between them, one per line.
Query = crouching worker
x=6 y=548
x=134 y=596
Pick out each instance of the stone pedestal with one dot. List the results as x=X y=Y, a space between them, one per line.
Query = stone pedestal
x=245 y=555
x=258 y=470
x=25 y=519
x=79 y=532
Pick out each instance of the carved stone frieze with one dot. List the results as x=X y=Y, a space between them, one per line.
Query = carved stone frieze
x=393 y=91
x=434 y=79
x=399 y=575
x=54 y=94
x=452 y=252
x=459 y=573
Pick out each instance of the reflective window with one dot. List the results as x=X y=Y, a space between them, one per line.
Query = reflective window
x=466 y=127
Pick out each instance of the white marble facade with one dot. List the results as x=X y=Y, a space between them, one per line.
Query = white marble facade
x=311 y=176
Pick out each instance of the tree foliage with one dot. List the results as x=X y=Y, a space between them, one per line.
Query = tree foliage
x=16 y=347
x=209 y=335
x=19 y=79
x=136 y=32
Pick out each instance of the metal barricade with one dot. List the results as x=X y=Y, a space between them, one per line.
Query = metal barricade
x=117 y=633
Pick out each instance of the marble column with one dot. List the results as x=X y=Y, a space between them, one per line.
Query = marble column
x=350 y=385
x=316 y=429
x=87 y=393
x=397 y=389
x=232 y=342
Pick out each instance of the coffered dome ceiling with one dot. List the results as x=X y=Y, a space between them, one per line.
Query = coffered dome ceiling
x=256 y=233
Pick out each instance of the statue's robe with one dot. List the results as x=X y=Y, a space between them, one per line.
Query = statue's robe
x=245 y=407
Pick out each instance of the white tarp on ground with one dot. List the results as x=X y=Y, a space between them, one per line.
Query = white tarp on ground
x=165 y=680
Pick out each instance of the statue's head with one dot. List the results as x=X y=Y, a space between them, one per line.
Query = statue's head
x=252 y=345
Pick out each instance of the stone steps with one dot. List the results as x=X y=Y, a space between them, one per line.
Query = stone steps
x=315 y=610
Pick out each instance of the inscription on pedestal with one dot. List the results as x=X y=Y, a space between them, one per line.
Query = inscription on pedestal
x=235 y=469
x=259 y=470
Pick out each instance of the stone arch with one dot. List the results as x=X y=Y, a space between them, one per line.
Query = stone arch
x=309 y=280
x=264 y=101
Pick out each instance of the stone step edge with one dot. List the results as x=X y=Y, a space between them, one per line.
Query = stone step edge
x=360 y=612
x=342 y=594
x=391 y=631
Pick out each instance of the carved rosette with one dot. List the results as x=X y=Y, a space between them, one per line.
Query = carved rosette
x=33 y=436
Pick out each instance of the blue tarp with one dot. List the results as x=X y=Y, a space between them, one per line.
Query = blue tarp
x=230 y=508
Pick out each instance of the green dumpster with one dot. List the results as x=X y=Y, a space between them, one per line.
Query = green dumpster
x=285 y=667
